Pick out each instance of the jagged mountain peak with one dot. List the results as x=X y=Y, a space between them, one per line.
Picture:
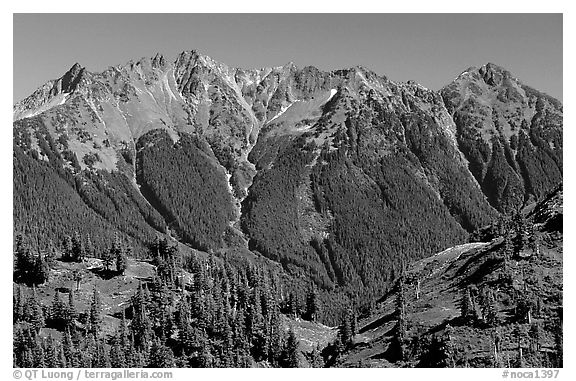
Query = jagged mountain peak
x=190 y=58
x=201 y=68
x=490 y=66
x=361 y=71
x=493 y=84
x=158 y=60
x=364 y=70
x=52 y=93
x=70 y=80
x=289 y=65
x=493 y=74
x=489 y=73
x=75 y=69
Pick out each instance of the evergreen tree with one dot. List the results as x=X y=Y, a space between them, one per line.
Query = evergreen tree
x=448 y=348
x=102 y=355
x=292 y=305
x=501 y=226
x=399 y=340
x=123 y=334
x=23 y=259
x=489 y=307
x=54 y=355
x=559 y=342
x=28 y=358
x=89 y=250
x=18 y=243
x=508 y=248
x=68 y=349
x=41 y=271
x=95 y=314
x=440 y=353
x=51 y=254
x=58 y=310
x=255 y=327
x=77 y=276
x=35 y=313
x=521 y=237
x=38 y=355
x=312 y=308
x=316 y=360
x=346 y=329
x=206 y=359
x=18 y=302
x=77 y=254
x=121 y=260
x=524 y=307
x=535 y=334
x=496 y=347
x=26 y=268
x=276 y=337
x=467 y=307
x=68 y=250
x=71 y=310
x=117 y=357
x=141 y=325
x=291 y=351
x=533 y=240
x=521 y=335
x=25 y=340
x=109 y=257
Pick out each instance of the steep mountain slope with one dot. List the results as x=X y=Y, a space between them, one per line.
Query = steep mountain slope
x=475 y=305
x=510 y=133
x=340 y=176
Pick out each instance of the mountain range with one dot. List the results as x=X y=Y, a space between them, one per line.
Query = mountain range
x=337 y=179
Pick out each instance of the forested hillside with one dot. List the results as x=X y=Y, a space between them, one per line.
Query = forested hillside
x=495 y=303
x=187 y=186
x=53 y=199
x=175 y=311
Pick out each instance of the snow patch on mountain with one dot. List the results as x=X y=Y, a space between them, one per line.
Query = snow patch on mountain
x=332 y=93
x=166 y=86
x=283 y=109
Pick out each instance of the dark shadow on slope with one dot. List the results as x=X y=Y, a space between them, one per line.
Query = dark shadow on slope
x=128 y=312
x=377 y=323
x=105 y=274
x=393 y=352
x=554 y=224
x=489 y=266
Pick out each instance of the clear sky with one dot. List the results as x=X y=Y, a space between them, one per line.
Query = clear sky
x=429 y=48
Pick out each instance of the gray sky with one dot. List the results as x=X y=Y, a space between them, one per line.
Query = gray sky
x=429 y=48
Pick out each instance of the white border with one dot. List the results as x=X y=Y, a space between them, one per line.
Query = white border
x=259 y=6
